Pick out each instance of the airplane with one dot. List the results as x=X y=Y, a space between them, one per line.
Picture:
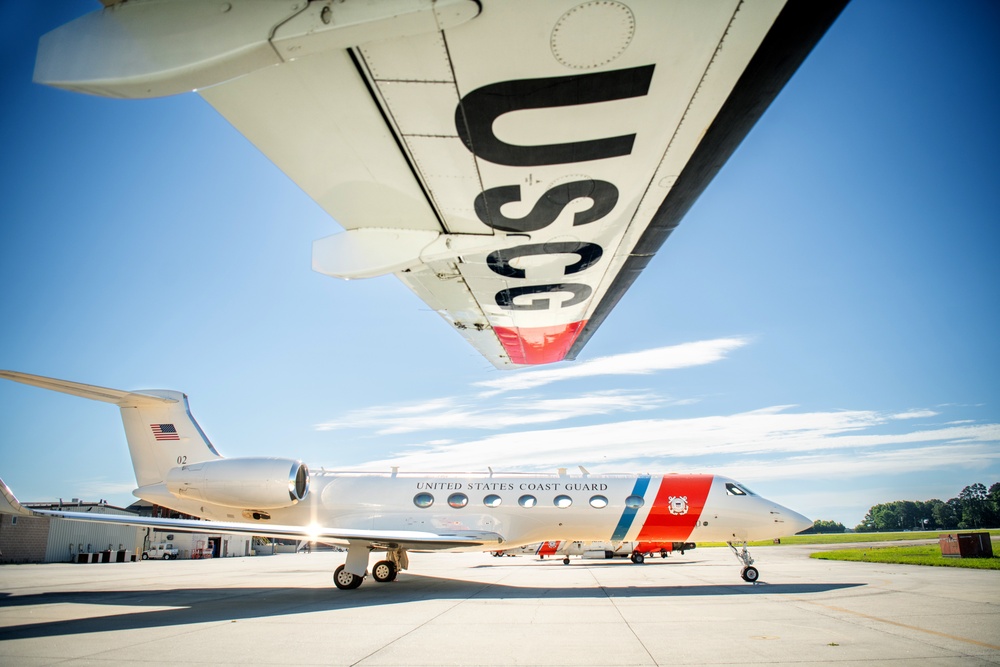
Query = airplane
x=176 y=466
x=637 y=552
x=515 y=163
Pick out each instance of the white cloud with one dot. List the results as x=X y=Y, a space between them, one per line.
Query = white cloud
x=633 y=363
x=453 y=413
x=664 y=444
x=484 y=410
x=915 y=414
x=899 y=461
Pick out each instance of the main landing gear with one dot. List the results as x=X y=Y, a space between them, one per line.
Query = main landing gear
x=384 y=571
x=346 y=581
x=749 y=573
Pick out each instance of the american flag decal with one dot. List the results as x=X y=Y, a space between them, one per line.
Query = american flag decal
x=164 y=432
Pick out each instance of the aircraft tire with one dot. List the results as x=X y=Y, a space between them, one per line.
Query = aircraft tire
x=638 y=559
x=346 y=581
x=566 y=560
x=384 y=571
x=663 y=553
x=750 y=574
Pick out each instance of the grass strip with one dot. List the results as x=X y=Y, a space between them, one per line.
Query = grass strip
x=925 y=554
x=850 y=538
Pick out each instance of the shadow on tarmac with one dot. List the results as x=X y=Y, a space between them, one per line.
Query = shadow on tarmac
x=595 y=562
x=218 y=605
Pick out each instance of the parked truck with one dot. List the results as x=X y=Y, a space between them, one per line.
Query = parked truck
x=163 y=551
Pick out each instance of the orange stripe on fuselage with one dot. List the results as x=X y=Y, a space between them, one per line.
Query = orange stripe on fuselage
x=677 y=508
x=548 y=549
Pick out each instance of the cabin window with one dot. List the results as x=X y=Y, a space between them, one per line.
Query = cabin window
x=492 y=500
x=423 y=500
x=458 y=500
x=527 y=500
x=634 y=502
x=562 y=501
x=600 y=502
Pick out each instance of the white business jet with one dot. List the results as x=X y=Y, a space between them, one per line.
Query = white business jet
x=177 y=467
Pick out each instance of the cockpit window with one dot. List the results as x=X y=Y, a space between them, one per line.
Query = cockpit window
x=736 y=490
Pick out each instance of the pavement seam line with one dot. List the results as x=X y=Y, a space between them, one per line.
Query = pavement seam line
x=628 y=625
x=904 y=625
x=417 y=627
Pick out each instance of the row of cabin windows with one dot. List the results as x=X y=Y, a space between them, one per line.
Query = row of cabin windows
x=460 y=500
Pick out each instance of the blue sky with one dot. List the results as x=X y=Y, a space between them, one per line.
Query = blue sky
x=823 y=325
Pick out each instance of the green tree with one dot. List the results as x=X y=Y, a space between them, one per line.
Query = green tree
x=821 y=526
x=929 y=517
x=975 y=507
x=993 y=506
x=867 y=524
x=897 y=515
x=945 y=516
x=973 y=503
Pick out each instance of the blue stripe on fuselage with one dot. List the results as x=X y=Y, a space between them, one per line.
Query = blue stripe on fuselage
x=628 y=516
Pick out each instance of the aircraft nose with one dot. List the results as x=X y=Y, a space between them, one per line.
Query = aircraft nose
x=795 y=522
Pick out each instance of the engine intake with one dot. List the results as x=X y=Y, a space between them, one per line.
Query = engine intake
x=245 y=483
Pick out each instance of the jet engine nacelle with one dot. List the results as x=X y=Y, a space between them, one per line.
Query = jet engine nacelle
x=243 y=483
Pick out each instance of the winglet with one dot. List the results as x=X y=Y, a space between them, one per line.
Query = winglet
x=9 y=504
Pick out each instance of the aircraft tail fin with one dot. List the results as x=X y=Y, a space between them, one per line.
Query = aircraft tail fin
x=159 y=427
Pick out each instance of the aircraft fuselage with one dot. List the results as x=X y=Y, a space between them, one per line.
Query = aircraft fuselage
x=523 y=508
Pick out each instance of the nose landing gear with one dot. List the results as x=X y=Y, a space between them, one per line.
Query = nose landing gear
x=749 y=573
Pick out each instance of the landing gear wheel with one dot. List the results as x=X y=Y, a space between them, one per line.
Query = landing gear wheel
x=344 y=580
x=663 y=553
x=750 y=573
x=566 y=560
x=638 y=559
x=384 y=571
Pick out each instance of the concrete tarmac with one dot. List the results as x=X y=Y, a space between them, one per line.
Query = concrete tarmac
x=474 y=609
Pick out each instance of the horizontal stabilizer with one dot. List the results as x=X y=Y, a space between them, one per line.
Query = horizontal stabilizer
x=9 y=504
x=407 y=539
x=116 y=396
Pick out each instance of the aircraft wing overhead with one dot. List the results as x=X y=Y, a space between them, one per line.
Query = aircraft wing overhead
x=515 y=163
